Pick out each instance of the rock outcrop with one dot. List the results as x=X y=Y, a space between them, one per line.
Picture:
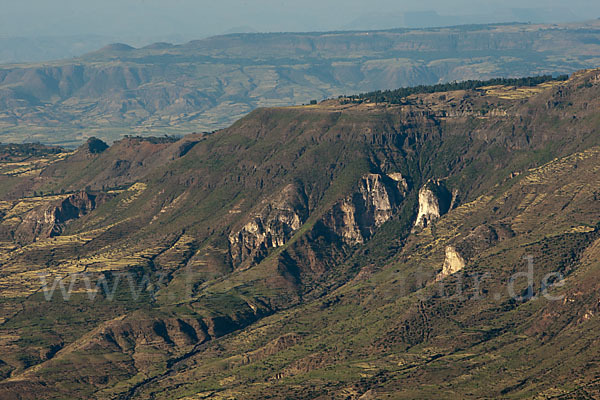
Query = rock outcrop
x=50 y=220
x=272 y=225
x=434 y=201
x=478 y=240
x=353 y=219
x=453 y=263
x=356 y=217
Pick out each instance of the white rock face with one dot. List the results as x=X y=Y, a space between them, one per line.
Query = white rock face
x=353 y=218
x=275 y=222
x=356 y=217
x=453 y=263
x=429 y=209
x=434 y=201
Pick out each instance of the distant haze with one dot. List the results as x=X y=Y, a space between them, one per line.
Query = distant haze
x=64 y=28
x=192 y=18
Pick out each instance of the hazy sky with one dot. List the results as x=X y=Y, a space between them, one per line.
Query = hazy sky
x=190 y=19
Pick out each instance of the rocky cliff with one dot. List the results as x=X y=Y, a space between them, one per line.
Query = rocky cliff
x=49 y=221
x=353 y=219
x=375 y=200
x=274 y=222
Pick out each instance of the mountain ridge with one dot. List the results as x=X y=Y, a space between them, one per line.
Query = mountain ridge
x=208 y=84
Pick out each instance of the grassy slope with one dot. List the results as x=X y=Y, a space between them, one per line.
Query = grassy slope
x=383 y=333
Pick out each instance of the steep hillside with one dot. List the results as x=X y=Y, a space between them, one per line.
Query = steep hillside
x=338 y=250
x=208 y=84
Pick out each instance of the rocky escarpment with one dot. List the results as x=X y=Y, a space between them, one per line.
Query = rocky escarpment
x=435 y=200
x=271 y=226
x=356 y=217
x=50 y=220
x=353 y=219
x=350 y=221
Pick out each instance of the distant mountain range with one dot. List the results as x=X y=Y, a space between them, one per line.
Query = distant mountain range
x=29 y=49
x=68 y=38
x=207 y=84
x=427 y=19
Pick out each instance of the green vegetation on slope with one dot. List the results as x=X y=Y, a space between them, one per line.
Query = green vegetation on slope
x=280 y=257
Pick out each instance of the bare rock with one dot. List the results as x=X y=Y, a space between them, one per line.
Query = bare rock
x=277 y=219
x=453 y=263
x=434 y=201
x=356 y=217
x=50 y=220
